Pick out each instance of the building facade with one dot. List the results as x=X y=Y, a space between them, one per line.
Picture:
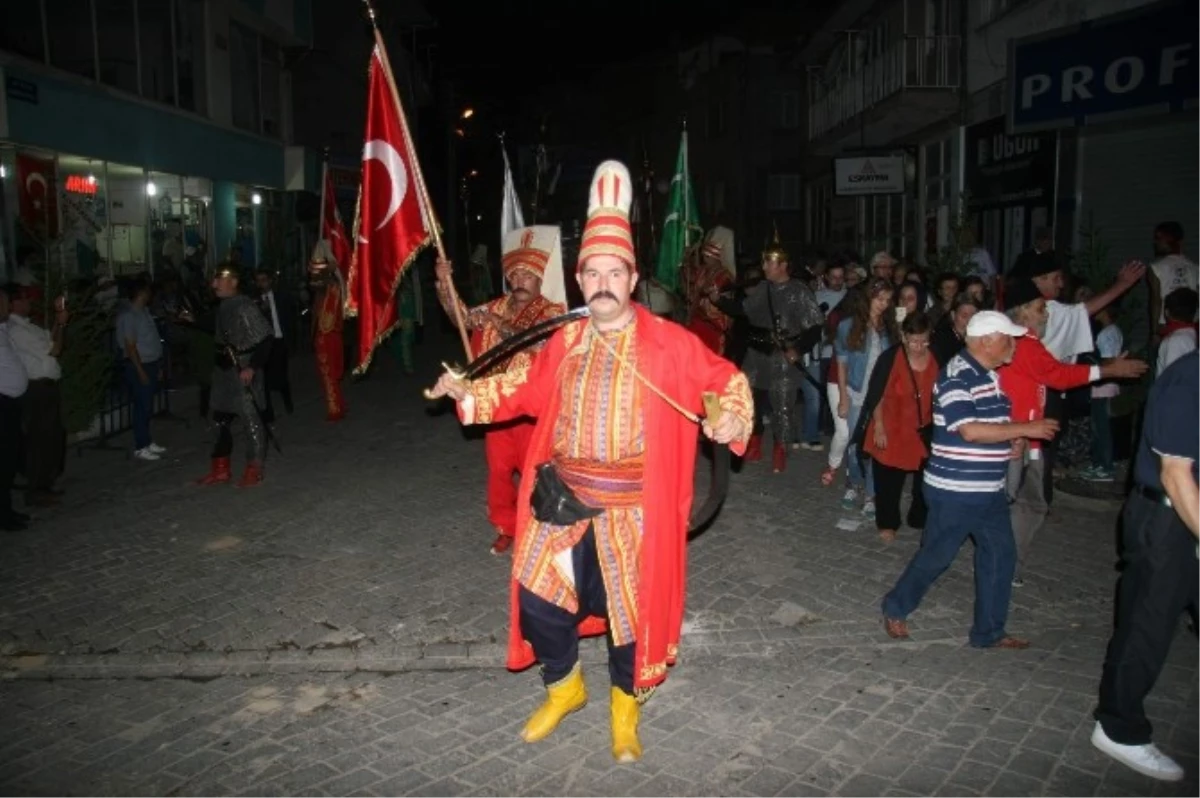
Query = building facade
x=1110 y=88
x=138 y=135
x=882 y=98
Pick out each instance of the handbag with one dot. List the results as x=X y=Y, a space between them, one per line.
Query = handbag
x=924 y=429
x=553 y=502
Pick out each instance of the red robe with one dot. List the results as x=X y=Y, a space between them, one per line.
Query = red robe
x=681 y=365
x=327 y=342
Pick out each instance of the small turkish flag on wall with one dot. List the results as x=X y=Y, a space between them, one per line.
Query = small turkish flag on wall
x=394 y=223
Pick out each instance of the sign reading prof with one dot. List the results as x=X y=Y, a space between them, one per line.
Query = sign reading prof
x=881 y=175
x=1130 y=64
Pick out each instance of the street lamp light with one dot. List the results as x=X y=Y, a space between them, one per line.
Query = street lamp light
x=468 y=113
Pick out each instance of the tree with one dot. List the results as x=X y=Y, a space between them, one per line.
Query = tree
x=955 y=256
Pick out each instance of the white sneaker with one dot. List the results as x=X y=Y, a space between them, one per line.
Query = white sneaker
x=869 y=508
x=849 y=499
x=156 y=449
x=145 y=454
x=813 y=446
x=1145 y=759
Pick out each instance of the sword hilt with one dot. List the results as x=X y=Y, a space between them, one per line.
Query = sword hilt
x=712 y=406
x=453 y=371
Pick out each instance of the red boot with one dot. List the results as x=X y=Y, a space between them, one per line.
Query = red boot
x=754 y=449
x=218 y=473
x=779 y=458
x=252 y=475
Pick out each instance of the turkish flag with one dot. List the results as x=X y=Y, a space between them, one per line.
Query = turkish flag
x=37 y=195
x=393 y=224
x=332 y=229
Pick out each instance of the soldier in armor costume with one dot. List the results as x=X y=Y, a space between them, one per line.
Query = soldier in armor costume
x=532 y=263
x=328 y=318
x=784 y=323
x=243 y=338
x=705 y=270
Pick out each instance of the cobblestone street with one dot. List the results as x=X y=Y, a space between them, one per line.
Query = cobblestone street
x=338 y=631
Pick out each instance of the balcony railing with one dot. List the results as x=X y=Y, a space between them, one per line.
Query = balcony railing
x=914 y=62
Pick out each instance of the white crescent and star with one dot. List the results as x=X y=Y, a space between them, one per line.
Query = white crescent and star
x=30 y=179
x=386 y=154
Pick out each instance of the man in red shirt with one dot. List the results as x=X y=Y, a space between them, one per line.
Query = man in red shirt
x=1025 y=380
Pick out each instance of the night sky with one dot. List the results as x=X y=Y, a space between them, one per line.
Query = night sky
x=503 y=54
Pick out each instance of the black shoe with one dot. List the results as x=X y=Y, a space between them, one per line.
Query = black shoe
x=23 y=518
x=13 y=525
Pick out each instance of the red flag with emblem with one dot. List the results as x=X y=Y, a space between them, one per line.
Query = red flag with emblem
x=332 y=229
x=394 y=222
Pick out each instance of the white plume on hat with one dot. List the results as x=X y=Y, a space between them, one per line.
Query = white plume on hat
x=723 y=237
x=608 y=230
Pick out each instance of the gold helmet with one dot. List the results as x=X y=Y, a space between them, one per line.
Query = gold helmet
x=775 y=251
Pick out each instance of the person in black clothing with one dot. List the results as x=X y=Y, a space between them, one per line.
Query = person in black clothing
x=13 y=383
x=278 y=308
x=949 y=334
x=1159 y=580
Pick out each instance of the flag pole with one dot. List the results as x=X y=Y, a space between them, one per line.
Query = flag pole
x=324 y=182
x=419 y=179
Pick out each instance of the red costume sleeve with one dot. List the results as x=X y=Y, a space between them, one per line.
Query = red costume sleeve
x=1037 y=364
x=518 y=391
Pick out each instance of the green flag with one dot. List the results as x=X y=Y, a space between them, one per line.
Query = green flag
x=681 y=228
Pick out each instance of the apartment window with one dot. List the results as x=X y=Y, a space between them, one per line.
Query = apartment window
x=788 y=107
x=21 y=29
x=69 y=24
x=820 y=220
x=884 y=224
x=783 y=193
x=244 y=77
x=990 y=10
x=271 y=71
x=157 y=51
x=716 y=120
x=938 y=171
x=116 y=34
x=189 y=55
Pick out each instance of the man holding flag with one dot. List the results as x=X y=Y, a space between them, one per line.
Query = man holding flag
x=532 y=264
x=327 y=277
x=681 y=229
x=395 y=219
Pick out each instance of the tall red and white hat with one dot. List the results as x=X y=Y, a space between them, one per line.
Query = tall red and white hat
x=608 y=231
x=537 y=250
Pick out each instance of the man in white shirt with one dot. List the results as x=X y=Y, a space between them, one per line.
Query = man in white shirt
x=1069 y=329
x=278 y=310
x=1173 y=270
x=13 y=383
x=45 y=437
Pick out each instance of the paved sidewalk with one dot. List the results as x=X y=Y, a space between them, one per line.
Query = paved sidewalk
x=338 y=630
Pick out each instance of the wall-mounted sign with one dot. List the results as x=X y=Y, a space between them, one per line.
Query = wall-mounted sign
x=1138 y=62
x=23 y=90
x=78 y=184
x=876 y=175
x=1002 y=170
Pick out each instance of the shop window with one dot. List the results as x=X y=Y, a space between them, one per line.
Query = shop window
x=272 y=90
x=116 y=35
x=21 y=30
x=157 y=52
x=789 y=109
x=189 y=55
x=783 y=193
x=69 y=24
x=244 y=77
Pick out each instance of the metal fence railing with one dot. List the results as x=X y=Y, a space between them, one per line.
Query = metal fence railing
x=115 y=414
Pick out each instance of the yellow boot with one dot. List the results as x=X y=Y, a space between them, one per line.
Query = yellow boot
x=562 y=698
x=625 y=744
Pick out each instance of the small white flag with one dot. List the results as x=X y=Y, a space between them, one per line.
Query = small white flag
x=511 y=217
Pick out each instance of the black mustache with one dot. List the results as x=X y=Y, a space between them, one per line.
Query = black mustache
x=601 y=295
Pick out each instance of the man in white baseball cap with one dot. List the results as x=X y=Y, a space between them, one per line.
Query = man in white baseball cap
x=973 y=440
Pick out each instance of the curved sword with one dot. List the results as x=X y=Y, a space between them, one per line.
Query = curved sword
x=718 y=487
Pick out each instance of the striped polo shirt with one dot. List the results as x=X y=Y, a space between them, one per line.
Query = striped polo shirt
x=966 y=392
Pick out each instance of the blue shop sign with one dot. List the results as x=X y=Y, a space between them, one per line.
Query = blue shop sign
x=1135 y=63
